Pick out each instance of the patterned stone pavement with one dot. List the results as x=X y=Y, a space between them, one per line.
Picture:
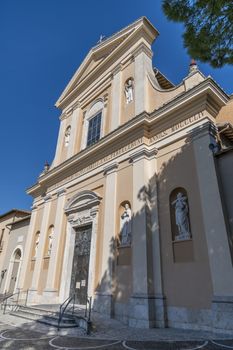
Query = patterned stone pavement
x=18 y=334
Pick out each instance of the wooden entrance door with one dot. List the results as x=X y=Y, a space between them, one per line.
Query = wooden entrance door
x=80 y=269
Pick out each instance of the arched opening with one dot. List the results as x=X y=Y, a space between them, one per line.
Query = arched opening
x=16 y=260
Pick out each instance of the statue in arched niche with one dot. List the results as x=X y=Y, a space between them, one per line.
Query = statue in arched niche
x=125 y=237
x=182 y=216
x=129 y=90
x=67 y=135
x=51 y=234
x=37 y=244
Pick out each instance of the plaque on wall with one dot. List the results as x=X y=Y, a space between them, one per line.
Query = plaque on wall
x=78 y=285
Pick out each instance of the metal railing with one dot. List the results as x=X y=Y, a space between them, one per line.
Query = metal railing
x=75 y=309
x=63 y=308
x=15 y=299
x=88 y=309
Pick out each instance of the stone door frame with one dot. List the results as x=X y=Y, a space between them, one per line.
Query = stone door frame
x=10 y=269
x=81 y=210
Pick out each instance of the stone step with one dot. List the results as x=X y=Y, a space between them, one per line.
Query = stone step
x=36 y=311
x=47 y=321
x=44 y=316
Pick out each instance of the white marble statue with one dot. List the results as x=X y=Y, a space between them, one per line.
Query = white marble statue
x=126 y=226
x=67 y=136
x=129 y=90
x=182 y=218
x=37 y=244
x=50 y=241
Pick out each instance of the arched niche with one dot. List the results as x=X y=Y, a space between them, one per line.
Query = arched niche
x=129 y=90
x=182 y=243
x=67 y=136
x=179 y=214
x=125 y=223
x=124 y=237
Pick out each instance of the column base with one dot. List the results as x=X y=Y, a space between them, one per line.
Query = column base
x=103 y=303
x=222 y=314
x=49 y=296
x=147 y=311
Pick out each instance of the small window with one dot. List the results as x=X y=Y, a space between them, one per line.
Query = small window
x=94 y=128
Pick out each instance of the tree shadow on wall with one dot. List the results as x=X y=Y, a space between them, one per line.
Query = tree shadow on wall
x=155 y=265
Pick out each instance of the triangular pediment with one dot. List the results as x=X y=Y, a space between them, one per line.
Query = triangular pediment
x=102 y=51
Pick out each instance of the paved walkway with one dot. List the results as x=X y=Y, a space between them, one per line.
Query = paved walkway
x=16 y=333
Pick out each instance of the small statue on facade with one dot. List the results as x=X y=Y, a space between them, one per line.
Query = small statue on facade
x=50 y=241
x=129 y=90
x=126 y=226
x=182 y=217
x=67 y=136
x=37 y=244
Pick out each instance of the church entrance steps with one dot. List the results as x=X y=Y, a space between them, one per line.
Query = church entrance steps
x=47 y=316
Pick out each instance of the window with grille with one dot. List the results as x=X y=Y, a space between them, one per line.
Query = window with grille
x=94 y=128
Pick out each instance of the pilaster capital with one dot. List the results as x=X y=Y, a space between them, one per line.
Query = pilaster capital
x=94 y=212
x=34 y=207
x=143 y=154
x=206 y=129
x=47 y=198
x=110 y=168
x=61 y=192
x=142 y=48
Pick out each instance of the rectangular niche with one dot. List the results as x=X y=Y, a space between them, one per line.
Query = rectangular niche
x=124 y=256
x=183 y=251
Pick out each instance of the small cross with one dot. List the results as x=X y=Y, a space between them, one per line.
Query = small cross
x=101 y=39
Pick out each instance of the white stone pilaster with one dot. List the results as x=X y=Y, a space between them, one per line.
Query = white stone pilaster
x=60 y=142
x=104 y=300
x=143 y=65
x=142 y=173
x=67 y=262
x=109 y=226
x=54 y=258
x=117 y=91
x=212 y=214
x=142 y=303
x=42 y=242
x=74 y=131
x=28 y=249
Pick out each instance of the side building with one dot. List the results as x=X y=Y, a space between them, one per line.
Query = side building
x=131 y=209
x=13 y=229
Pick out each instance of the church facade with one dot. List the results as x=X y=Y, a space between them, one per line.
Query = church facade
x=130 y=212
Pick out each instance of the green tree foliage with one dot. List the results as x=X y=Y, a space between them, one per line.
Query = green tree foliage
x=208 y=34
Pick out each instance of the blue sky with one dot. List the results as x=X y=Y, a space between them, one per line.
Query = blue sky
x=42 y=44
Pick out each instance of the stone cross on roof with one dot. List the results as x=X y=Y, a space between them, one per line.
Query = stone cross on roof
x=101 y=39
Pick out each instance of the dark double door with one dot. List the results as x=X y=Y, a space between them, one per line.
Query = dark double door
x=80 y=269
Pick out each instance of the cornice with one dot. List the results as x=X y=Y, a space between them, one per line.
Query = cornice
x=142 y=48
x=110 y=168
x=206 y=87
x=142 y=154
x=143 y=121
